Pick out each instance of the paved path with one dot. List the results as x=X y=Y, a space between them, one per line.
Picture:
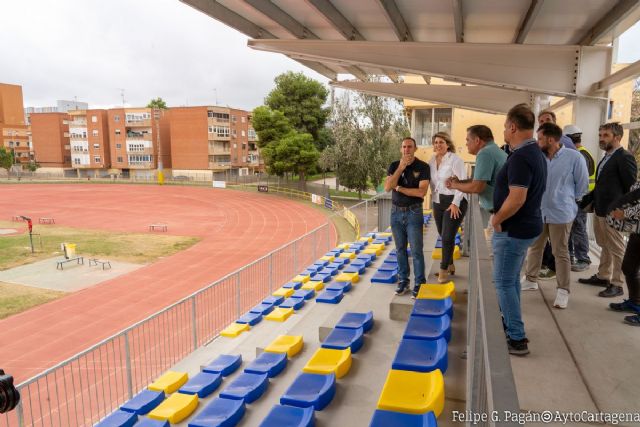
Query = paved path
x=236 y=228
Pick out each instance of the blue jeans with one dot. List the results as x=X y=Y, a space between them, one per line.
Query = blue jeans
x=508 y=256
x=579 y=239
x=407 y=228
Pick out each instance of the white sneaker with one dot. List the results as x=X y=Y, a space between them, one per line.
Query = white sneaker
x=528 y=285
x=562 y=299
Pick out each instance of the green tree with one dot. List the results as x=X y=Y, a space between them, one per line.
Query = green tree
x=270 y=125
x=157 y=103
x=6 y=159
x=293 y=153
x=634 y=134
x=301 y=100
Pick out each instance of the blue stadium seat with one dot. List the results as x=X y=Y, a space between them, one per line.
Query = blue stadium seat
x=323 y=277
x=382 y=418
x=355 y=269
x=351 y=320
x=330 y=297
x=268 y=363
x=334 y=252
x=143 y=402
x=358 y=263
x=292 y=285
x=273 y=300
x=341 y=261
x=380 y=242
x=150 y=422
x=336 y=264
x=307 y=294
x=246 y=386
x=421 y=355
x=359 y=246
x=339 y=286
x=367 y=258
x=320 y=263
x=352 y=250
x=288 y=416
x=310 y=390
x=433 y=307
x=428 y=328
x=250 y=318
x=309 y=272
x=313 y=267
x=225 y=364
x=292 y=302
x=202 y=384
x=388 y=277
x=220 y=413
x=329 y=269
x=340 y=339
x=263 y=309
x=388 y=266
x=119 y=419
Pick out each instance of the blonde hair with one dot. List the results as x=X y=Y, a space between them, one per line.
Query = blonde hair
x=443 y=135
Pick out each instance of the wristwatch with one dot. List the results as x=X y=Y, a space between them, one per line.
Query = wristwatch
x=398 y=188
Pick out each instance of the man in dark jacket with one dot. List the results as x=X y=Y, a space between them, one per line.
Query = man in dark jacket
x=615 y=174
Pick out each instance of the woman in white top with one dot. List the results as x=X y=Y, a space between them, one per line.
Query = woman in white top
x=449 y=206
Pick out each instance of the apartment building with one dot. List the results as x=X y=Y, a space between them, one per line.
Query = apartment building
x=51 y=142
x=212 y=139
x=139 y=141
x=14 y=132
x=89 y=140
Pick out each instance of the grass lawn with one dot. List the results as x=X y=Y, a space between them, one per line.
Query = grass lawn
x=17 y=298
x=353 y=194
x=134 y=248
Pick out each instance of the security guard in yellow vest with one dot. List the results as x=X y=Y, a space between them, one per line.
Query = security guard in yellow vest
x=578 y=239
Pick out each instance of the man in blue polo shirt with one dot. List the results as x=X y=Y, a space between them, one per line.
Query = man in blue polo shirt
x=517 y=221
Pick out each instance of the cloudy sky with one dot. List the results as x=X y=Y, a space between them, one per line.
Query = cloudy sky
x=91 y=49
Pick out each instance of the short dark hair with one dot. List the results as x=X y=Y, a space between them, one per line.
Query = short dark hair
x=551 y=130
x=615 y=128
x=408 y=138
x=549 y=112
x=521 y=116
x=481 y=131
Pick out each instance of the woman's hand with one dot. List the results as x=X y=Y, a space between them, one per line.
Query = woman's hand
x=618 y=214
x=455 y=211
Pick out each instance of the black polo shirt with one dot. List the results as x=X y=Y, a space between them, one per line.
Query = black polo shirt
x=411 y=176
x=525 y=167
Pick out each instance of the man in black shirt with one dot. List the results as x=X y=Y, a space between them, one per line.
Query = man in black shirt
x=408 y=180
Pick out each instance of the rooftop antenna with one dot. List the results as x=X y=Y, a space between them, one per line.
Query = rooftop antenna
x=215 y=91
x=122 y=95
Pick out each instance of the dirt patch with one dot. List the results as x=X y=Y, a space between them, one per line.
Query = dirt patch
x=17 y=298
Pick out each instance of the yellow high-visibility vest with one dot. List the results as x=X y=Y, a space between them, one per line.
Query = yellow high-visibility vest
x=591 y=166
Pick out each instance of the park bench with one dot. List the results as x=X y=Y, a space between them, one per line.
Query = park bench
x=47 y=221
x=95 y=261
x=60 y=263
x=161 y=227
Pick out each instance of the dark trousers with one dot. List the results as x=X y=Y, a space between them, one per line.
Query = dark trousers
x=447 y=227
x=548 y=260
x=579 y=239
x=631 y=267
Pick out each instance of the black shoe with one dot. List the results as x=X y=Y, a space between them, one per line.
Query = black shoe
x=401 y=289
x=632 y=320
x=518 y=347
x=611 y=291
x=625 y=306
x=594 y=280
x=414 y=292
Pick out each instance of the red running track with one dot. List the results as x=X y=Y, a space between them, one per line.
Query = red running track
x=236 y=228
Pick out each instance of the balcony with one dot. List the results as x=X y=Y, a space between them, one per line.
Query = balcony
x=216 y=137
x=138 y=123
x=76 y=137
x=144 y=151
x=139 y=136
x=79 y=150
x=78 y=123
x=219 y=165
x=219 y=150
x=142 y=165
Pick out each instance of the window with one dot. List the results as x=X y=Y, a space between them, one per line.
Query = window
x=94 y=132
x=135 y=147
x=118 y=146
x=17 y=143
x=94 y=119
x=96 y=146
x=235 y=145
x=242 y=119
x=244 y=147
x=221 y=131
x=10 y=143
x=116 y=118
x=252 y=134
x=242 y=133
x=119 y=159
x=222 y=117
x=117 y=131
x=96 y=159
x=234 y=133
x=76 y=160
x=233 y=119
x=140 y=158
x=429 y=121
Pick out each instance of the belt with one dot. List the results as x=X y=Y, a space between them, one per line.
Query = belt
x=407 y=208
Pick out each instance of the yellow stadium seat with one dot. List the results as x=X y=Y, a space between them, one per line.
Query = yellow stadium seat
x=283 y=292
x=169 y=382
x=437 y=253
x=384 y=234
x=344 y=246
x=234 y=329
x=437 y=291
x=290 y=344
x=348 y=255
x=374 y=251
x=325 y=361
x=347 y=277
x=279 y=314
x=413 y=392
x=302 y=278
x=366 y=239
x=329 y=258
x=314 y=285
x=376 y=246
x=175 y=408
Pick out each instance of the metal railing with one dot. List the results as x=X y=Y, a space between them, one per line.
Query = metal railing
x=491 y=387
x=83 y=389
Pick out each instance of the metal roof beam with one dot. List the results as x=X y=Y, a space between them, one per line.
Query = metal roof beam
x=608 y=22
x=282 y=18
x=458 y=23
x=627 y=73
x=336 y=19
x=478 y=98
x=566 y=71
x=319 y=68
x=229 y=18
x=527 y=22
x=396 y=20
